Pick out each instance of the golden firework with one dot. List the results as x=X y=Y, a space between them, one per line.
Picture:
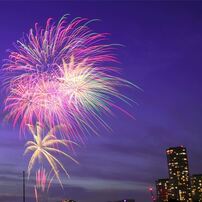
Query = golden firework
x=45 y=147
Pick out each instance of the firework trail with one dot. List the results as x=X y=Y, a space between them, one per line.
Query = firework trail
x=61 y=75
x=41 y=179
x=43 y=182
x=44 y=147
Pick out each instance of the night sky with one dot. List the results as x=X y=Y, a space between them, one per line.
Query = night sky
x=162 y=54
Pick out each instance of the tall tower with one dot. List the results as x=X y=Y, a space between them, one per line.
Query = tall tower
x=179 y=180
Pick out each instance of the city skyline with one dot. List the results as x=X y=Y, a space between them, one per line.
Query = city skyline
x=160 y=51
x=181 y=184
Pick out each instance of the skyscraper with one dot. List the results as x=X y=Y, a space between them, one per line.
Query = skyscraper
x=196 y=184
x=179 y=180
x=162 y=188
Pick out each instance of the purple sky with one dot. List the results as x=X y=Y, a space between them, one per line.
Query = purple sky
x=162 y=55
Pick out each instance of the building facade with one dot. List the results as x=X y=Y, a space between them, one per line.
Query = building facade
x=162 y=189
x=179 y=179
x=196 y=184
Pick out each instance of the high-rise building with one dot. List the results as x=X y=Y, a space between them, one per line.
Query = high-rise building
x=196 y=184
x=162 y=188
x=179 y=180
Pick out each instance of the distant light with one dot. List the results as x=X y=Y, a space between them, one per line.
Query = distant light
x=150 y=189
x=170 y=151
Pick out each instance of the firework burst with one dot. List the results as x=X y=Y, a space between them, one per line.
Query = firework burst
x=41 y=179
x=43 y=182
x=60 y=78
x=44 y=147
x=58 y=75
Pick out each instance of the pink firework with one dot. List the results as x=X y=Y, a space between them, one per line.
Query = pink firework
x=59 y=75
x=43 y=182
x=44 y=49
x=41 y=179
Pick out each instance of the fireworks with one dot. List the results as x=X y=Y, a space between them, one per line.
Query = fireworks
x=44 y=147
x=60 y=77
x=43 y=182
x=41 y=179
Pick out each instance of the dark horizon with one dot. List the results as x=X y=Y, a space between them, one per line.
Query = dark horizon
x=161 y=53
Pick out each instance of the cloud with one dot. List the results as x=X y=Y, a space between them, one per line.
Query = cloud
x=95 y=184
